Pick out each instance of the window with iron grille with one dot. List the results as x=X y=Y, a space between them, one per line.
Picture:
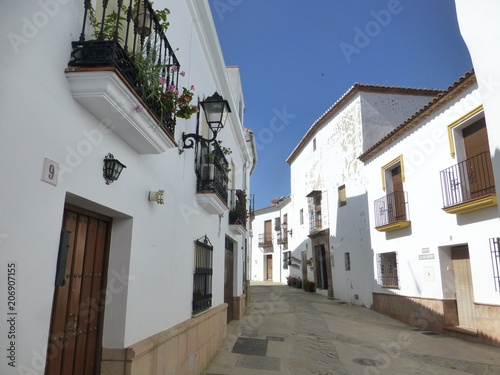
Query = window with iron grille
x=495 y=261
x=314 y=203
x=301 y=216
x=202 y=283
x=388 y=270
x=287 y=260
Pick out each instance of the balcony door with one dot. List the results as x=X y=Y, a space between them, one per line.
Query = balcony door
x=75 y=332
x=396 y=205
x=268 y=232
x=479 y=172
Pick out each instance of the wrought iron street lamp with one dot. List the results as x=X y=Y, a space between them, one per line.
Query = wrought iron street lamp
x=285 y=227
x=216 y=110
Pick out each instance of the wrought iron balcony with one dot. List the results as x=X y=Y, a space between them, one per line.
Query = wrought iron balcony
x=282 y=237
x=392 y=212
x=469 y=185
x=238 y=213
x=129 y=38
x=265 y=239
x=212 y=177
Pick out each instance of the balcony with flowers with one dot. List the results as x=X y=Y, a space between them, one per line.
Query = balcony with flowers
x=238 y=213
x=124 y=71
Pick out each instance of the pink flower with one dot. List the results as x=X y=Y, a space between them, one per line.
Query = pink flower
x=171 y=88
x=175 y=68
x=183 y=73
x=192 y=87
x=138 y=108
x=163 y=80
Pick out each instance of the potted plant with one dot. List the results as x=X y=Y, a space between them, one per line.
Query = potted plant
x=309 y=286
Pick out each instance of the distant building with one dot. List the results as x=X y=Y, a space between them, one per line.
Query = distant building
x=328 y=187
x=271 y=257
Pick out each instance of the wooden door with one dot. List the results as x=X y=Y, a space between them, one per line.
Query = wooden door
x=321 y=275
x=463 y=286
x=398 y=211
x=479 y=170
x=268 y=232
x=74 y=342
x=269 y=270
x=229 y=279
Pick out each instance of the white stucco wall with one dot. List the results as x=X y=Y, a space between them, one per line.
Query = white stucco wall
x=152 y=246
x=426 y=152
x=480 y=29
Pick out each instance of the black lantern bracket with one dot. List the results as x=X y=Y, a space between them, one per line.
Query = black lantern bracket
x=112 y=168
x=285 y=228
x=216 y=110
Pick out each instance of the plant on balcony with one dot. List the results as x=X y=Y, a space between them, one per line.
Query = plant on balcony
x=239 y=214
x=150 y=74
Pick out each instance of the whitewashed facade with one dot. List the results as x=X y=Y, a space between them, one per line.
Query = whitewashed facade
x=270 y=257
x=57 y=126
x=434 y=248
x=328 y=187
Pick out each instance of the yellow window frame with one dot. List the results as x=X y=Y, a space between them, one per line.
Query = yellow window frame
x=398 y=160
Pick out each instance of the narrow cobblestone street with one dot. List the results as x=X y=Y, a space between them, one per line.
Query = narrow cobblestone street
x=289 y=331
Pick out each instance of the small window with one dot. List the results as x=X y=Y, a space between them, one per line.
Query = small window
x=388 y=270
x=202 y=283
x=301 y=216
x=277 y=224
x=347 y=261
x=342 y=196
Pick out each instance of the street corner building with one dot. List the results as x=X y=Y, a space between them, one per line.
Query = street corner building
x=126 y=183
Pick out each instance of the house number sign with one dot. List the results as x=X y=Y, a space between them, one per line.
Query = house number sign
x=50 y=172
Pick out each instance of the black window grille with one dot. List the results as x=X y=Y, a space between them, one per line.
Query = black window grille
x=388 y=270
x=202 y=283
x=347 y=261
x=495 y=261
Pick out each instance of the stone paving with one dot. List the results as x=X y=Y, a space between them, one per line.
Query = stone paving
x=289 y=331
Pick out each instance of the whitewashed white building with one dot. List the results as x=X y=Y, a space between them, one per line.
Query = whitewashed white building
x=433 y=209
x=271 y=257
x=139 y=275
x=328 y=187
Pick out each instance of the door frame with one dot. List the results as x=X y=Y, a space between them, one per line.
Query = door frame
x=103 y=288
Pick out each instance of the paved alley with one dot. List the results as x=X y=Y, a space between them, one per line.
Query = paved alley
x=289 y=331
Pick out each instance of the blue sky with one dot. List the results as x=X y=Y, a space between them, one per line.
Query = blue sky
x=297 y=58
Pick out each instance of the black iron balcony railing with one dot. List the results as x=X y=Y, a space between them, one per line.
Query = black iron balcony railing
x=130 y=38
x=468 y=180
x=213 y=175
x=265 y=239
x=238 y=213
x=391 y=208
x=282 y=237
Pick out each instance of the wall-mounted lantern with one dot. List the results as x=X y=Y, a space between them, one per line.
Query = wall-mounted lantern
x=157 y=196
x=216 y=110
x=285 y=227
x=112 y=168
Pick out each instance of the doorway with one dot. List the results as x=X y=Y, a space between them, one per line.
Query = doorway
x=76 y=324
x=463 y=286
x=269 y=267
x=229 y=278
x=322 y=277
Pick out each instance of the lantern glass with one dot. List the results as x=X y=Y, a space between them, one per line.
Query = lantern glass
x=216 y=110
x=112 y=168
